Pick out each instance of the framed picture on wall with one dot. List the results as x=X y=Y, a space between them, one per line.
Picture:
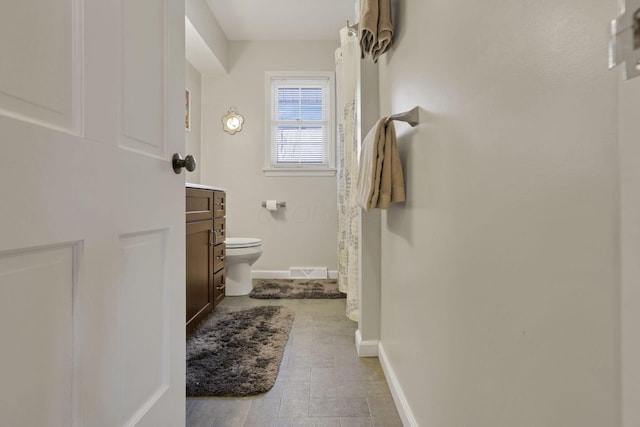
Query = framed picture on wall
x=187 y=112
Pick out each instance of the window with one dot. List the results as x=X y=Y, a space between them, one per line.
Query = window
x=300 y=123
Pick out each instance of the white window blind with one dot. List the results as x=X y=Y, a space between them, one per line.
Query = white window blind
x=300 y=120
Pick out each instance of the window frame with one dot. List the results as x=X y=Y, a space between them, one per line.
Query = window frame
x=300 y=169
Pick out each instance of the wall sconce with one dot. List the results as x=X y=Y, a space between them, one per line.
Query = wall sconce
x=232 y=121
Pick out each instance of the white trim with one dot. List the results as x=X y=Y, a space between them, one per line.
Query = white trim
x=282 y=274
x=404 y=410
x=366 y=348
x=270 y=274
x=187 y=95
x=329 y=169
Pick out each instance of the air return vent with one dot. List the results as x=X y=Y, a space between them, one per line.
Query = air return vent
x=308 y=272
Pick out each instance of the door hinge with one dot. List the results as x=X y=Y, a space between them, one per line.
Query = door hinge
x=624 y=40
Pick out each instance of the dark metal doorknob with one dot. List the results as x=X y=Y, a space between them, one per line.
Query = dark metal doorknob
x=189 y=162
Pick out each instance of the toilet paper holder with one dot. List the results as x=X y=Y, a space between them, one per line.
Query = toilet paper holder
x=278 y=204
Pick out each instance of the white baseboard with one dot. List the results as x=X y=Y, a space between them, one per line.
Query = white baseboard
x=270 y=274
x=366 y=348
x=282 y=274
x=396 y=391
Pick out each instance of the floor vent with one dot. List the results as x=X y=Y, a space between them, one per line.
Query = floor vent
x=308 y=272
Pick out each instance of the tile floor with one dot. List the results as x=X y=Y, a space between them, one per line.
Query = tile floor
x=322 y=381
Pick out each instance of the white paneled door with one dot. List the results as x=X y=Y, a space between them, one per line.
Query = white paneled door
x=91 y=213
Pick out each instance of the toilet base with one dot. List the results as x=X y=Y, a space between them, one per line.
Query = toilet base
x=238 y=280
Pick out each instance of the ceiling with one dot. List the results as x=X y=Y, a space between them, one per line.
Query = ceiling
x=282 y=19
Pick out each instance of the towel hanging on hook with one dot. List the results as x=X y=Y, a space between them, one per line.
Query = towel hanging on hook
x=380 y=176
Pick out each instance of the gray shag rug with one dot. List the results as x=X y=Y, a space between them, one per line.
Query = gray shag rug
x=237 y=352
x=296 y=289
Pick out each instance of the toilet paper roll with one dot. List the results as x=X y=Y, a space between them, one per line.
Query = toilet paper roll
x=272 y=205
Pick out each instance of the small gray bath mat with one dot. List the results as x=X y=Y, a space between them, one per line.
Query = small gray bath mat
x=237 y=352
x=296 y=289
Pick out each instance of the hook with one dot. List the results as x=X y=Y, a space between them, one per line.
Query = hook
x=411 y=117
x=353 y=30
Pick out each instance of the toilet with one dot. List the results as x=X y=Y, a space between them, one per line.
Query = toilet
x=241 y=253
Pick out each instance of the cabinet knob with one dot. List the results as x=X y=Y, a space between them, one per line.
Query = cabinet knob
x=178 y=163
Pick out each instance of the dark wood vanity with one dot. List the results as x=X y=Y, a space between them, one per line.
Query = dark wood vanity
x=205 y=251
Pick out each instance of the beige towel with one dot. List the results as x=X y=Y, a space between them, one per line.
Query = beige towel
x=369 y=172
x=385 y=30
x=392 y=179
x=380 y=178
x=376 y=29
x=368 y=25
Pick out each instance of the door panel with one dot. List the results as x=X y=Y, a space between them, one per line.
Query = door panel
x=143 y=339
x=38 y=363
x=41 y=53
x=92 y=265
x=143 y=70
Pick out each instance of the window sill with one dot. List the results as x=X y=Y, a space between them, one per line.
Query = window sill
x=299 y=172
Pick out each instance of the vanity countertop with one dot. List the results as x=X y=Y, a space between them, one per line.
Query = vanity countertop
x=204 y=187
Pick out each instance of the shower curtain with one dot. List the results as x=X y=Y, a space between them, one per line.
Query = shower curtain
x=348 y=210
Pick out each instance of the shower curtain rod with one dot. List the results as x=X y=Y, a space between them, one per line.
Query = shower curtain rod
x=410 y=117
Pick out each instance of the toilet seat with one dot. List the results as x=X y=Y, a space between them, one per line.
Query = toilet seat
x=242 y=242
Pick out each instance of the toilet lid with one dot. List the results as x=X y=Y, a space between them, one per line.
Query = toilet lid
x=242 y=242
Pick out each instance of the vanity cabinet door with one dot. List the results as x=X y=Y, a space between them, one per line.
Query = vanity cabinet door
x=205 y=252
x=200 y=270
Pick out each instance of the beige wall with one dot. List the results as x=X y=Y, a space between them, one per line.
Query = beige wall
x=629 y=105
x=500 y=274
x=193 y=137
x=304 y=233
x=209 y=31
